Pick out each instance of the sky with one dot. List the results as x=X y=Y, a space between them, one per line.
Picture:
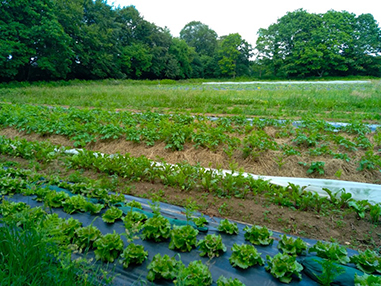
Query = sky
x=245 y=17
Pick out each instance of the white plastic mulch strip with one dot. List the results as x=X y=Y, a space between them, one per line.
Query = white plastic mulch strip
x=359 y=191
x=293 y=82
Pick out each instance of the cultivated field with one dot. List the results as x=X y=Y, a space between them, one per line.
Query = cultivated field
x=264 y=129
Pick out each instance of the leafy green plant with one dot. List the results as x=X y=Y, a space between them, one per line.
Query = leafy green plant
x=244 y=256
x=283 y=267
x=258 y=235
x=108 y=247
x=375 y=212
x=183 y=238
x=223 y=281
x=112 y=214
x=211 y=245
x=331 y=251
x=74 y=204
x=367 y=261
x=360 y=207
x=93 y=208
x=292 y=246
x=86 y=236
x=133 y=254
x=55 y=199
x=156 y=228
x=316 y=167
x=163 y=267
x=134 y=216
x=134 y=204
x=196 y=273
x=200 y=221
x=330 y=270
x=367 y=280
x=228 y=227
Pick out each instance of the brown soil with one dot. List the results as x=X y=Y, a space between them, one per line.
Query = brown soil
x=342 y=227
x=269 y=163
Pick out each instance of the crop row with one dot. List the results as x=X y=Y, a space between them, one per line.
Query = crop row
x=110 y=247
x=186 y=177
x=235 y=135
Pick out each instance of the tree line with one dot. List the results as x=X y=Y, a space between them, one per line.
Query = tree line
x=87 y=39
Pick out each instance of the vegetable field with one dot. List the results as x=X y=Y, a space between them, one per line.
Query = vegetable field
x=171 y=142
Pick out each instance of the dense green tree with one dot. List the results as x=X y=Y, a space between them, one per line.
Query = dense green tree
x=201 y=37
x=234 y=55
x=335 y=43
x=33 y=44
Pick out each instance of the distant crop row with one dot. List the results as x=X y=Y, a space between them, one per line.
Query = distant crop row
x=234 y=135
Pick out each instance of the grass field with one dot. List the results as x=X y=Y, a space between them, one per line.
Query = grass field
x=344 y=102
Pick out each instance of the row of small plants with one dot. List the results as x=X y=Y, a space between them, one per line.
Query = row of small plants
x=110 y=247
x=187 y=177
x=311 y=137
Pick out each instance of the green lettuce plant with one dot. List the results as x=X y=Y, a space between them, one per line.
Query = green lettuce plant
x=196 y=273
x=183 y=238
x=133 y=254
x=223 y=281
x=258 y=235
x=331 y=251
x=211 y=245
x=367 y=280
x=86 y=236
x=292 y=246
x=112 y=214
x=156 y=228
x=163 y=267
x=283 y=267
x=244 y=256
x=108 y=247
x=228 y=227
x=367 y=261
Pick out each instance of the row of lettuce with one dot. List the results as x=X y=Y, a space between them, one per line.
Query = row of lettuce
x=236 y=135
x=187 y=177
x=110 y=247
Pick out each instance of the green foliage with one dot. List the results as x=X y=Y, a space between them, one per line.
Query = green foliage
x=183 y=238
x=330 y=271
x=74 y=204
x=55 y=199
x=200 y=221
x=258 y=235
x=228 y=227
x=108 y=247
x=283 y=266
x=134 y=204
x=134 y=216
x=211 y=245
x=367 y=261
x=86 y=236
x=331 y=251
x=316 y=167
x=367 y=280
x=360 y=207
x=133 y=254
x=163 y=267
x=375 y=212
x=245 y=256
x=292 y=246
x=223 y=281
x=196 y=273
x=112 y=214
x=156 y=228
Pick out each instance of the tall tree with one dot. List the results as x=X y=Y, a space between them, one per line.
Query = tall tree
x=33 y=44
x=234 y=56
x=201 y=37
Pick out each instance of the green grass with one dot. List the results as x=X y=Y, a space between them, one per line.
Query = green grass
x=329 y=101
x=29 y=257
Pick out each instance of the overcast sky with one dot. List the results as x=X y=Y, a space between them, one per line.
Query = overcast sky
x=238 y=16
